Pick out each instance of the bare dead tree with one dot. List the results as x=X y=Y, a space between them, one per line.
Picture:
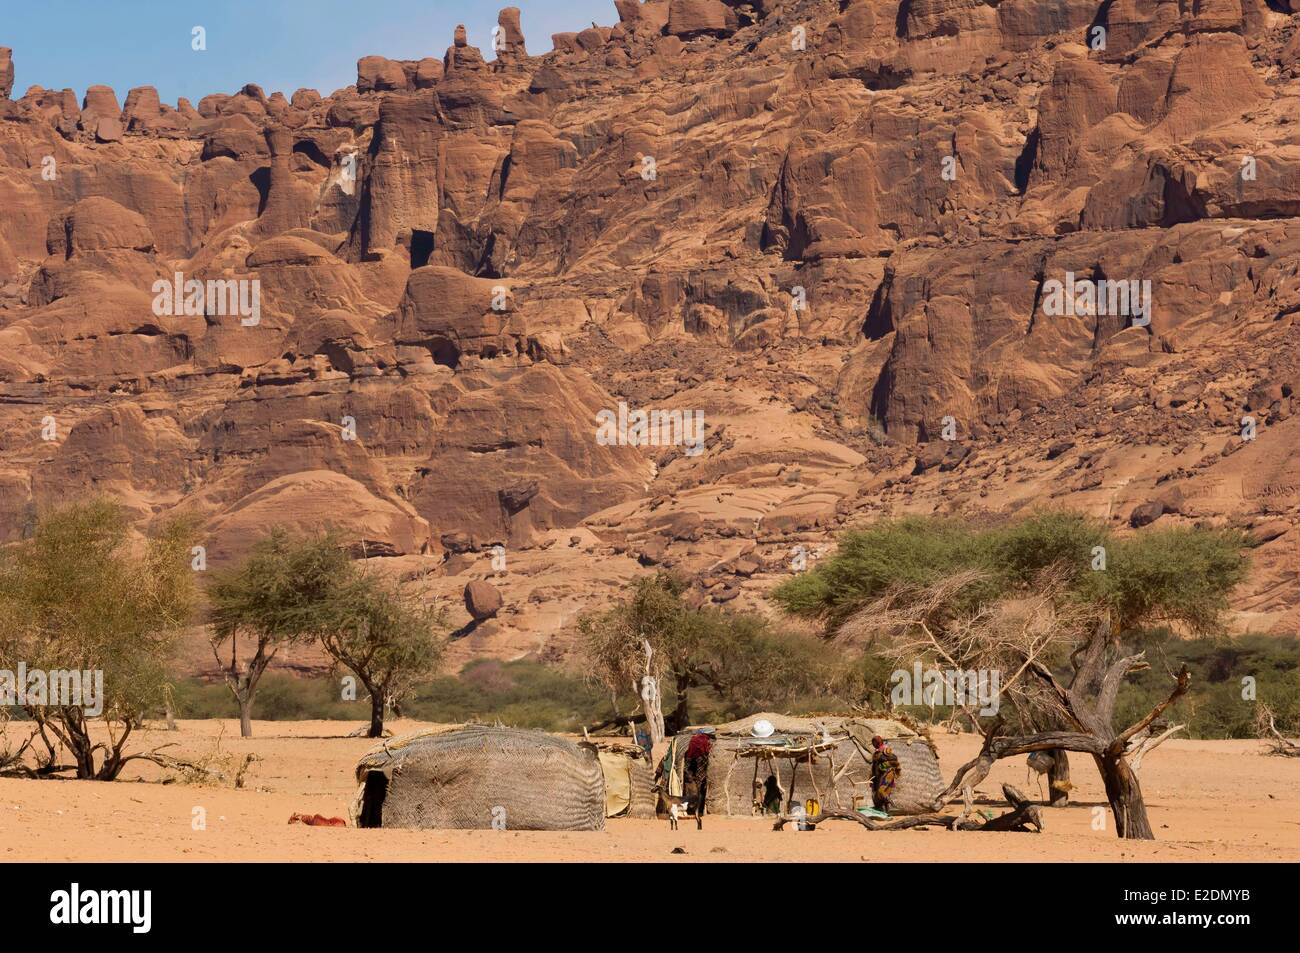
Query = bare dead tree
x=1018 y=637
x=911 y=623
x=1266 y=730
x=1088 y=704
x=650 y=697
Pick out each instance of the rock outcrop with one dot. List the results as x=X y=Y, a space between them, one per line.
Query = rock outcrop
x=850 y=259
x=6 y=72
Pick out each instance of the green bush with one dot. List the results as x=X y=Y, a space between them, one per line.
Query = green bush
x=522 y=693
x=525 y=694
x=1214 y=706
x=280 y=697
x=741 y=660
x=529 y=694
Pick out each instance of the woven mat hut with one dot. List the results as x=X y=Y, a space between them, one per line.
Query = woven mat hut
x=477 y=778
x=824 y=758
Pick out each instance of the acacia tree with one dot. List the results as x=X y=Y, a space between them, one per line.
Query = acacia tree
x=654 y=636
x=1018 y=638
x=81 y=595
x=388 y=639
x=1021 y=599
x=287 y=590
x=634 y=644
x=913 y=553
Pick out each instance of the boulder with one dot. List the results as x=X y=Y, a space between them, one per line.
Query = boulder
x=108 y=129
x=1144 y=514
x=482 y=600
x=687 y=18
x=379 y=74
x=97 y=224
x=930 y=456
x=1268 y=531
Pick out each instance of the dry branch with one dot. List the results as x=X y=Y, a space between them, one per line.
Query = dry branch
x=1024 y=816
x=1278 y=744
x=1143 y=744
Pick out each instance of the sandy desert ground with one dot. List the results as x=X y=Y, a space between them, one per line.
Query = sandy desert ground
x=1209 y=801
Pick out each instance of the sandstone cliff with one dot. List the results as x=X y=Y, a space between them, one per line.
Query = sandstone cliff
x=830 y=228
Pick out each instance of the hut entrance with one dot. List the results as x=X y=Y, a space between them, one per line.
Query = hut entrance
x=372 y=800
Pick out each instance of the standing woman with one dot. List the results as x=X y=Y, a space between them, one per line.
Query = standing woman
x=695 y=777
x=885 y=770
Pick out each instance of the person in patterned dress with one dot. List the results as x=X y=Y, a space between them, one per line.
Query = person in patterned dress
x=885 y=770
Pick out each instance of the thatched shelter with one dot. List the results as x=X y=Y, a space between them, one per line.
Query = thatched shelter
x=629 y=780
x=479 y=777
x=824 y=758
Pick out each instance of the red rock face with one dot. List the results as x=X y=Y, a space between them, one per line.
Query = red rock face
x=428 y=309
x=6 y=72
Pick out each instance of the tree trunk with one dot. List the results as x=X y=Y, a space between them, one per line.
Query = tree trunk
x=243 y=684
x=654 y=715
x=1125 y=797
x=681 y=715
x=1058 y=779
x=376 y=715
x=654 y=711
x=82 y=747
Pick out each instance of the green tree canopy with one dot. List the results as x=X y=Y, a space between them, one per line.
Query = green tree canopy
x=389 y=639
x=1177 y=576
x=290 y=589
x=286 y=590
x=84 y=594
x=742 y=658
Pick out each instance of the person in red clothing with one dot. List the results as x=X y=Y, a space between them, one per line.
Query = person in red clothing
x=695 y=776
x=701 y=744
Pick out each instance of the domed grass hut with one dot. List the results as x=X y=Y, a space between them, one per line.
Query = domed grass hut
x=479 y=778
x=824 y=758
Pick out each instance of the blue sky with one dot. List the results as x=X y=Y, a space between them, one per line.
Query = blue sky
x=278 y=44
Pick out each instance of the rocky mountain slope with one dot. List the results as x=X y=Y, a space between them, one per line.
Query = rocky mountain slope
x=839 y=231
